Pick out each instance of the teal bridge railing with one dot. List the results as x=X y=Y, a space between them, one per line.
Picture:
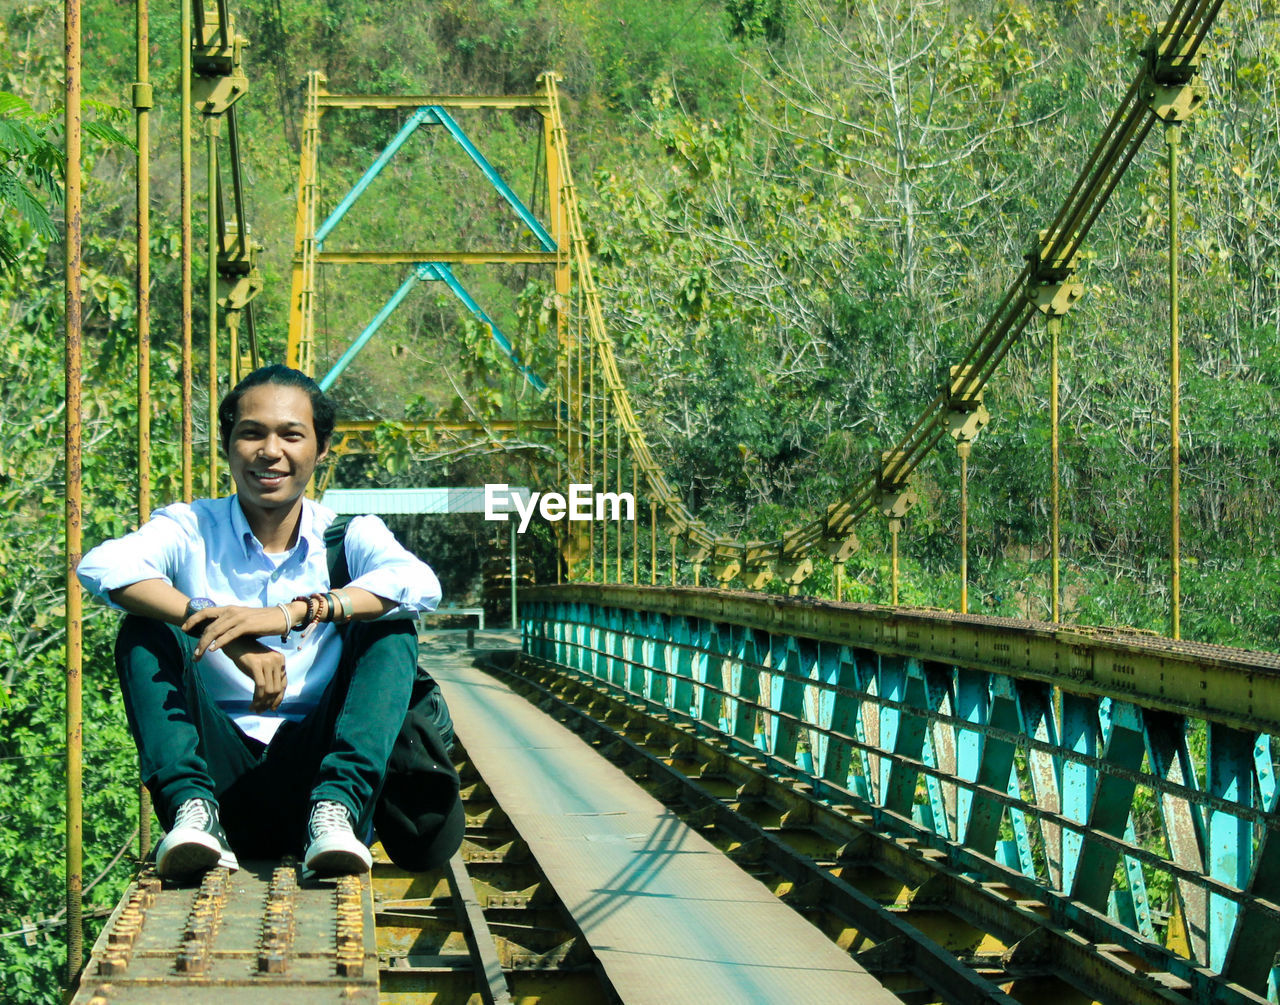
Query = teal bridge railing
x=1124 y=780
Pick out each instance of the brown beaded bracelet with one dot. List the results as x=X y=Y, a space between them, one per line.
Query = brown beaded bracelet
x=309 y=618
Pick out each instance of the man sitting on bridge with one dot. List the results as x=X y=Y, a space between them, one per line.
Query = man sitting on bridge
x=261 y=699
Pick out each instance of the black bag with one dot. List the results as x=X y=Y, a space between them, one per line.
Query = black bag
x=418 y=816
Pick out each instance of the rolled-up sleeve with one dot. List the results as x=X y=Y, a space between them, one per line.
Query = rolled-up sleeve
x=383 y=566
x=150 y=552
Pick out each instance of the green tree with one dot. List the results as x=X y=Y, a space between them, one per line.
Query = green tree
x=31 y=169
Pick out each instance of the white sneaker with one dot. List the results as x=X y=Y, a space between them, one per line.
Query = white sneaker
x=196 y=842
x=332 y=847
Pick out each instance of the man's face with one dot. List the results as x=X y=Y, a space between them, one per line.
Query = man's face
x=272 y=450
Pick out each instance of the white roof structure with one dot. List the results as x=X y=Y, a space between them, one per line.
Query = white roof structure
x=470 y=499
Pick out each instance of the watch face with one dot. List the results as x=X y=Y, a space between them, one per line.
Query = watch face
x=198 y=604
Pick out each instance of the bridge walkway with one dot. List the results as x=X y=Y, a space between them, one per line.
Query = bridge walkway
x=670 y=918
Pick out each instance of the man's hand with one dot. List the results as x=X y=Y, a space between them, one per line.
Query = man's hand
x=263 y=666
x=219 y=626
x=235 y=631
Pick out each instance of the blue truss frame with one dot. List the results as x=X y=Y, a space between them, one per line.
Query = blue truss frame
x=432 y=115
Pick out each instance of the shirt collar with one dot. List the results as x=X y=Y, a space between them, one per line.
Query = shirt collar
x=309 y=537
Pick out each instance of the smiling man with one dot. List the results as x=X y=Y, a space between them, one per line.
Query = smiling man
x=261 y=700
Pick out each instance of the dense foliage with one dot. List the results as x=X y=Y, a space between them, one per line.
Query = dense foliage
x=801 y=213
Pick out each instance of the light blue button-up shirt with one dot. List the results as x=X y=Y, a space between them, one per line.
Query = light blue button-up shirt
x=206 y=549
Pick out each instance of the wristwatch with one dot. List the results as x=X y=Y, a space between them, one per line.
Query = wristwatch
x=193 y=605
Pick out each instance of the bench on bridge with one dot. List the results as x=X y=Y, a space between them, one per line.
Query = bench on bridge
x=474 y=612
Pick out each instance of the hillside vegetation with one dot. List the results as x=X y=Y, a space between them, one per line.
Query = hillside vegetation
x=801 y=214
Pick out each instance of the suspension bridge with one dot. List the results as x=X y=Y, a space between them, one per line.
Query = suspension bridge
x=677 y=789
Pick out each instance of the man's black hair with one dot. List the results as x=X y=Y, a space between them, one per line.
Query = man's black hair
x=277 y=373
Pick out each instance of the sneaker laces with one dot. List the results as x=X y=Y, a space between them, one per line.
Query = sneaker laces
x=328 y=816
x=192 y=813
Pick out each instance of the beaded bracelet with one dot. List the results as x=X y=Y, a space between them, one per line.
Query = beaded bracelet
x=313 y=610
x=318 y=611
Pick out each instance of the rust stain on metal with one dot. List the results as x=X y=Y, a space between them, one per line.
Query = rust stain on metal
x=278 y=921
x=349 y=943
x=202 y=923
x=128 y=926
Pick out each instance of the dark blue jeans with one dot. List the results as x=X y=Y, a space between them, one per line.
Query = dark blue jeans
x=188 y=747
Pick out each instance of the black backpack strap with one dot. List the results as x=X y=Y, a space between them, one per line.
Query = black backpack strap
x=335 y=539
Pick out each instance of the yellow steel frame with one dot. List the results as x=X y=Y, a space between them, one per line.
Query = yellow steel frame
x=583 y=345
x=449 y=257
x=300 y=349
x=357 y=437
x=388 y=101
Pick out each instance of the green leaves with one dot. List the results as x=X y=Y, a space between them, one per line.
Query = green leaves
x=32 y=168
x=30 y=164
x=752 y=19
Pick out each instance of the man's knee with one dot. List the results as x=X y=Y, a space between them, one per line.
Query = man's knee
x=389 y=641
x=404 y=628
x=162 y=644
